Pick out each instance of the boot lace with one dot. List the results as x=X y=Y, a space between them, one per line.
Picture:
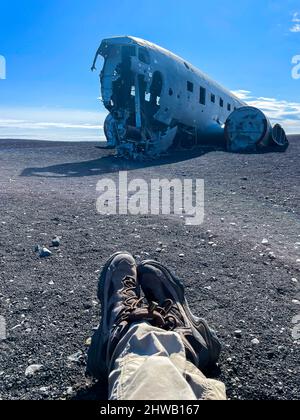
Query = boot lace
x=136 y=310
x=167 y=311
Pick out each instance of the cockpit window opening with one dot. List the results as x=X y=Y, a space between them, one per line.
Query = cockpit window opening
x=128 y=51
x=213 y=98
x=171 y=92
x=187 y=66
x=144 y=56
x=228 y=107
x=221 y=103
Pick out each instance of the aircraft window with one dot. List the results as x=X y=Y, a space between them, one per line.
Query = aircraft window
x=213 y=98
x=128 y=51
x=228 y=107
x=221 y=103
x=144 y=56
x=171 y=92
x=190 y=86
x=202 y=95
x=187 y=66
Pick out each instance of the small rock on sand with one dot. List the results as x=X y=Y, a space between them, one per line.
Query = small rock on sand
x=238 y=334
x=76 y=357
x=43 y=251
x=32 y=370
x=56 y=242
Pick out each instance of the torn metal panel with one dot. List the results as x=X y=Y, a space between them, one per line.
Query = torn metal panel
x=157 y=100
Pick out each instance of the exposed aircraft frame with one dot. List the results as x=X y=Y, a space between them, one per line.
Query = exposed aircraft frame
x=156 y=101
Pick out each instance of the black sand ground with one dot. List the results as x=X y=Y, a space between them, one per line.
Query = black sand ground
x=50 y=307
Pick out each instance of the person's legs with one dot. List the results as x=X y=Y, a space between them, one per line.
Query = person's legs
x=136 y=346
x=149 y=364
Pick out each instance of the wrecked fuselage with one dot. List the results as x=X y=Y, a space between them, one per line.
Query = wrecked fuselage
x=157 y=100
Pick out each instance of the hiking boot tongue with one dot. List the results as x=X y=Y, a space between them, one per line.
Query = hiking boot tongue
x=154 y=287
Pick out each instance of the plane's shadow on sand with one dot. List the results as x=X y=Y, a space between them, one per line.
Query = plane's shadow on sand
x=109 y=164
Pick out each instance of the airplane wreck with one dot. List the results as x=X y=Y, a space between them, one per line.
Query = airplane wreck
x=157 y=101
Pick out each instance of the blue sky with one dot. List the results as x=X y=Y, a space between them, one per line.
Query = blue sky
x=49 y=45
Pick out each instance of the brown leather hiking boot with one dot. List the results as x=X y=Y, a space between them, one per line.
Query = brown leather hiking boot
x=163 y=288
x=121 y=306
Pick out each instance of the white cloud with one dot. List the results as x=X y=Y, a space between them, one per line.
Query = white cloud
x=295 y=28
x=242 y=94
x=279 y=111
x=51 y=124
x=45 y=125
x=296 y=23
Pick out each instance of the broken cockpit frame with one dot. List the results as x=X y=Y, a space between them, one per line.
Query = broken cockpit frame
x=132 y=86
